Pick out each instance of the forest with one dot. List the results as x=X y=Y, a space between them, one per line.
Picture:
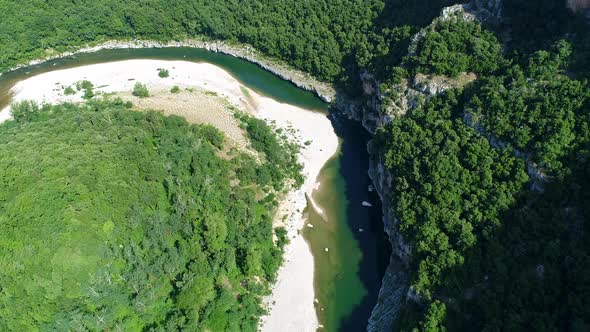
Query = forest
x=488 y=180
x=150 y=228
x=311 y=35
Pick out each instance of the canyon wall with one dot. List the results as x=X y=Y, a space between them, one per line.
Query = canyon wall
x=373 y=113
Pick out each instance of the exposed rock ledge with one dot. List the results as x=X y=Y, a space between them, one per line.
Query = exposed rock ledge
x=323 y=90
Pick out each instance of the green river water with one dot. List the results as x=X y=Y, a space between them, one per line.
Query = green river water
x=347 y=276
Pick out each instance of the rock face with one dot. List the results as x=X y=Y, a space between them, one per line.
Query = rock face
x=489 y=11
x=432 y=85
x=395 y=281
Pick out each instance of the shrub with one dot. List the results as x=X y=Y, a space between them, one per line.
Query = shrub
x=213 y=135
x=69 y=91
x=88 y=94
x=282 y=237
x=140 y=90
x=163 y=73
x=84 y=85
x=175 y=89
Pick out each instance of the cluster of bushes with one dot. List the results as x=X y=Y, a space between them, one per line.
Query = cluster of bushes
x=68 y=91
x=88 y=88
x=280 y=154
x=140 y=90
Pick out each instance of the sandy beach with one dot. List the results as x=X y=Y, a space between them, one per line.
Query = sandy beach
x=291 y=305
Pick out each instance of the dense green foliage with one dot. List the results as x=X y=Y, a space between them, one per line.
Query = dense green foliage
x=491 y=252
x=391 y=34
x=314 y=36
x=163 y=73
x=450 y=186
x=69 y=91
x=279 y=154
x=536 y=109
x=140 y=90
x=130 y=221
x=452 y=47
x=538 y=258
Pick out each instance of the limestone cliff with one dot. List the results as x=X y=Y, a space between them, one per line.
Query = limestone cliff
x=377 y=108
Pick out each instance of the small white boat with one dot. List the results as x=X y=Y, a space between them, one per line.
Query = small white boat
x=367 y=204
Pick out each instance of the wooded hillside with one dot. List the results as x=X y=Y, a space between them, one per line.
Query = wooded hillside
x=113 y=219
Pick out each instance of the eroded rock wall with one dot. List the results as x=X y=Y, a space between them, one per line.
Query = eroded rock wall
x=372 y=112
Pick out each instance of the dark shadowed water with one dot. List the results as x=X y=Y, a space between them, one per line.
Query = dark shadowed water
x=348 y=275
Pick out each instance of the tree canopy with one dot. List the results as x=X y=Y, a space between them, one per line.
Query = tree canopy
x=114 y=219
x=487 y=182
x=314 y=36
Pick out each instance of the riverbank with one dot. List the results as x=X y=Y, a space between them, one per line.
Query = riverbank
x=323 y=90
x=291 y=305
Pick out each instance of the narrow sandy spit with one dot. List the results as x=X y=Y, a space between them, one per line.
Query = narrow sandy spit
x=291 y=306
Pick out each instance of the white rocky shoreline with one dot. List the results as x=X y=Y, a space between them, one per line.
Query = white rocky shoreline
x=323 y=90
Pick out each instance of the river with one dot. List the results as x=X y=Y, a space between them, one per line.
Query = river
x=347 y=239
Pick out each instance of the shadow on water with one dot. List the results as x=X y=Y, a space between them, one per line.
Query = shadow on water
x=365 y=222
